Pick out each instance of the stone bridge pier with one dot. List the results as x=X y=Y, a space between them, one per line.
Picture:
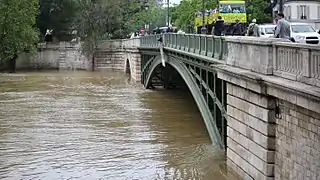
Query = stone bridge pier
x=119 y=55
x=259 y=98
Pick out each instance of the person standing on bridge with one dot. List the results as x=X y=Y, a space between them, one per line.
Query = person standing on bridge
x=253 y=29
x=219 y=27
x=283 y=28
x=237 y=29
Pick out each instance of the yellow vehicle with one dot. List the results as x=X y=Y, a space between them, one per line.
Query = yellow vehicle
x=198 y=20
x=229 y=10
x=232 y=10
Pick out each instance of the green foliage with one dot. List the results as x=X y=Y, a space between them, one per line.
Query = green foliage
x=257 y=9
x=18 y=32
x=109 y=19
x=57 y=15
x=183 y=15
x=155 y=16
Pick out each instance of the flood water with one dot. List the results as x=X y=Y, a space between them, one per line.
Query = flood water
x=98 y=125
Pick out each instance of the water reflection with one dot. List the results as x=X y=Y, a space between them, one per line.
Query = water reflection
x=90 y=125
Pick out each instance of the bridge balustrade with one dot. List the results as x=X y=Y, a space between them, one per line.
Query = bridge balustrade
x=131 y=43
x=150 y=41
x=269 y=56
x=204 y=45
x=299 y=62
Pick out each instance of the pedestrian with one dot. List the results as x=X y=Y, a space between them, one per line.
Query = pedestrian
x=237 y=29
x=253 y=29
x=282 y=29
x=48 y=35
x=158 y=31
x=219 y=27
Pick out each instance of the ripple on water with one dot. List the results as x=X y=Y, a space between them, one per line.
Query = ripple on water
x=90 y=125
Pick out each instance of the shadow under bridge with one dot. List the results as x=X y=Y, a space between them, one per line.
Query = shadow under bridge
x=208 y=91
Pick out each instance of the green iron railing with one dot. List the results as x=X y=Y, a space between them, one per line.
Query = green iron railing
x=204 y=45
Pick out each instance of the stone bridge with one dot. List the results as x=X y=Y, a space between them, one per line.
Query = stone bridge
x=259 y=98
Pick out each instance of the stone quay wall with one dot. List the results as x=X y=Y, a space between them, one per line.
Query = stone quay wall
x=110 y=55
x=63 y=55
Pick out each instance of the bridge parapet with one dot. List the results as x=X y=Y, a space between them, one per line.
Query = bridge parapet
x=267 y=56
x=119 y=44
x=133 y=43
x=298 y=62
x=203 y=45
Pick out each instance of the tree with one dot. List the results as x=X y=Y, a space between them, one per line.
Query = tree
x=155 y=16
x=18 y=32
x=259 y=9
x=184 y=14
x=57 y=15
x=102 y=19
x=108 y=19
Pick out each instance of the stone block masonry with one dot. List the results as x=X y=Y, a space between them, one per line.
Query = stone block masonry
x=54 y=56
x=135 y=66
x=64 y=56
x=273 y=132
x=109 y=60
x=297 y=143
x=251 y=133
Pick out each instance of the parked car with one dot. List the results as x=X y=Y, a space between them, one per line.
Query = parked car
x=304 y=33
x=267 y=30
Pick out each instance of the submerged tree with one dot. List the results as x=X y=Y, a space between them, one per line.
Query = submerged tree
x=18 y=32
x=98 y=20
x=94 y=22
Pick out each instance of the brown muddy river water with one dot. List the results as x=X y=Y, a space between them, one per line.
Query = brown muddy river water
x=98 y=125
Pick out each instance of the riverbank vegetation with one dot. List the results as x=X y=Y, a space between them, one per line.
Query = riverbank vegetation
x=18 y=31
x=23 y=23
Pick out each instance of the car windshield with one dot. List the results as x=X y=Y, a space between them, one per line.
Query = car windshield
x=302 y=28
x=269 y=30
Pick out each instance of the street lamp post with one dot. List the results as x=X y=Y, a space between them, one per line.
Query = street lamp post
x=280 y=6
x=168 y=15
x=203 y=28
x=146 y=7
x=272 y=5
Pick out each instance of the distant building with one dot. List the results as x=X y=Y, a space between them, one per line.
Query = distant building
x=303 y=11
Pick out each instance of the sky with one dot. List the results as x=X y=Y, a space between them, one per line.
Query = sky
x=175 y=1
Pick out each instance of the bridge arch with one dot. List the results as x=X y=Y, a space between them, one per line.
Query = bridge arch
x=182 y=69
x=128 y=66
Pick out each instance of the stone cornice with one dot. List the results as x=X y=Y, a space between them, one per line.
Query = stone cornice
x=294 y=92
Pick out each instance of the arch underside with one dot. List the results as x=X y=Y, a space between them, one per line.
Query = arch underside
x=199 y=89
x=128 y=67
x=128 y=64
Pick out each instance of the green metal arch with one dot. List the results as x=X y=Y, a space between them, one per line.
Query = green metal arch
x=182 y=69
